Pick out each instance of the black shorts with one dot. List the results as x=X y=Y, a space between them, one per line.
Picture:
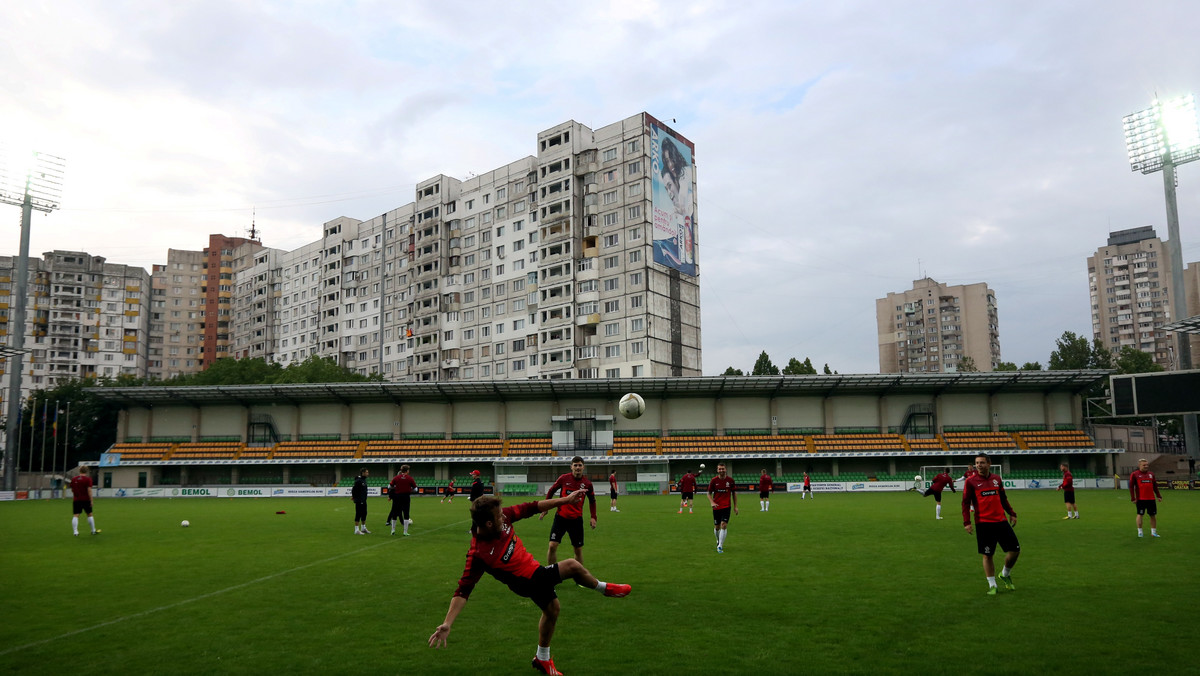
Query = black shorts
x=807 y=488
x=1147 y=507
x=572 y=527
x=539 y=587
x=764 y=495
x=360 y=511
x=612 y=494
x=686 y=495
x=448 y=490
x=82 y=506
x=1069 y=495
x=989 y=534
x=400 y=507
x=720 y=516
x=937 y=495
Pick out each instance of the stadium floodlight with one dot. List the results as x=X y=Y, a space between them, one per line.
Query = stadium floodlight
x=30 y=180
x=1167 y=133
x=1160 y=138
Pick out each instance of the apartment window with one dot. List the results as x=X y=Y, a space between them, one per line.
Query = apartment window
x=634 y=168
x=635 y=279
x=634 y=234
x=612 y=351
x=610 y=197
x=612 y=305
x=635 y=301
x=635 y=256
x=632 y=146
x=612 y=373
x=612 y=218
x=609 y=154
x=637 y=347
x=612 y=329
x=634 y=212
x=518 y=365
x=611 y=240
x=634 y=189
x=637 y=324
x=612 y=262
x=612 y=284
x=638 y=371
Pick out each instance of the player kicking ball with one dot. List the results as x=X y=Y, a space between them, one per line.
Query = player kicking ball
x=496 y=550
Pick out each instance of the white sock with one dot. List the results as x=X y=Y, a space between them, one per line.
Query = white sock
x=356 y=530
x=1139 y=531
x=717 y=534
x=92 y=523
x=992 y=581
x=1006 y=571
x=543 y=653
x=721 y=537
x=75 y=524
x=939 y=510
x=601 y=586
x=768 y=505
x=1154 y=531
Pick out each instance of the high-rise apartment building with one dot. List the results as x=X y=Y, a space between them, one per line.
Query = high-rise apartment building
x=579 y=262
x=1129 y=281
x=933 y=327
x=85 y=318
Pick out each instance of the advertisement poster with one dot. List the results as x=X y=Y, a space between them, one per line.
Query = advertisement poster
x=673 y=200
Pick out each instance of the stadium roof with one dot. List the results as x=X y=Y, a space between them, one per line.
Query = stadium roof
x=516 y=390
x=1189 y=325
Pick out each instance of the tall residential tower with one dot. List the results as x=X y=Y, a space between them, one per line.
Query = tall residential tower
x=933 y=327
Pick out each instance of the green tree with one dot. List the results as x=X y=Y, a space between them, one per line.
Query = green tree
x=733 y=372
x=87 y=425
x=967 y=365
x=1071 y=353
x=827 y=371
x=1005 y=366
x=255 y=371
x=1031 y=366
x=322 y=370
x=764 y=367
x=1133 y=360
x=797 y=368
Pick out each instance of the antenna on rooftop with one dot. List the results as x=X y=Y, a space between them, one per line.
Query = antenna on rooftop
x=253 y=229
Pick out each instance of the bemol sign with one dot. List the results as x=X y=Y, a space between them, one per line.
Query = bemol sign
x=247 y=492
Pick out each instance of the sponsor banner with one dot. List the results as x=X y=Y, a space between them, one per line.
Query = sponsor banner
x=1162 y=484
x=110 y=459
x=1195 y=486
x=235 y=492
x=198 y=492
x=660 y=477
x=305 y=491
x=673 y=202
x=878 y=486
x=817 y=487
x=510 y=479
x=340 y=492
x=8 y=495
x=1176 y=484
x=22 y=495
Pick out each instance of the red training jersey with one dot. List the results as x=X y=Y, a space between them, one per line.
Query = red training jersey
x=451 y=485
x=504 y=558
x=612 y=482
x=1068 y=483
x=940 y=482
x=765 y=483
x=687 y=483
x=807 y=481
x=402 y=484
x=988 y=496
x=1142 y=486
x=568 y=484
x=80 y=486
x=720 y=490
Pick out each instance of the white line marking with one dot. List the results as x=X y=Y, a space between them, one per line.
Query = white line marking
x=226 y=590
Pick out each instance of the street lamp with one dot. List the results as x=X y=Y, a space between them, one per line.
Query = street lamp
x=30 y=180
x=1160 y=138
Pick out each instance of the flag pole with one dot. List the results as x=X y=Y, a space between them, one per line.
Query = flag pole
x=42 y=464
x=20 y=440
x=67 y=438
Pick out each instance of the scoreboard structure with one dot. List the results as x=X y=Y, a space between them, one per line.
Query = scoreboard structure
x=1146 y=394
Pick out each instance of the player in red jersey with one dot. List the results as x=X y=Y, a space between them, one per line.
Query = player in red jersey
x=449 y=492
x=612 y=492
x=764 y=492
x=940 y=482
x=721 y=491
x=569 y=518
x=687 y=490
x=807 y=487
x=967 y=475
x=81 y=490
x=400 y=491
x=1143 y=491
x=496 y=550
x=985 y=492
x=1068 y=488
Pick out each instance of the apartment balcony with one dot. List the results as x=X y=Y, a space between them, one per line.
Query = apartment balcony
x=587 y=320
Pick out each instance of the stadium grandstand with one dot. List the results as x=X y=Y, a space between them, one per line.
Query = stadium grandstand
x=520 y=435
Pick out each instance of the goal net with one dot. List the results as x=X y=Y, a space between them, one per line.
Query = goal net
x=956 y=472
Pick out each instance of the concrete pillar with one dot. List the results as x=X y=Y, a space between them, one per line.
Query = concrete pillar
x=296 y=425
x=183 y=476
x=245 y=424
x=148 y=430
x=773 y=411
x=337 y=475
x=827 y=415
x=397 y=421
x=883 y=415
x=347 y=415
x=892 y=466
x=719 y=415
x=835 y=467
x=937 y=413
x=122 y=425
x=664 y=418
x=502 y=419
x=196 y=421
x=234 y=474
x=1047 y=413
x=993 y=410
x=287 y=475
x=1077 y=412
x=449 y=431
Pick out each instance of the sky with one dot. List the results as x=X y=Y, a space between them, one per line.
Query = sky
x=843 y=149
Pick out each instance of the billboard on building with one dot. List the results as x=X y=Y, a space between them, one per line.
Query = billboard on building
x=673 y=199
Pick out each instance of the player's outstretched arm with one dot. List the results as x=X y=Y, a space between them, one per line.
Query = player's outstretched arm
x=438 y=639
x=547 y=505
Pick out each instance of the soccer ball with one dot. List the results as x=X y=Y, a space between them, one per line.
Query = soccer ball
x=184 y=523
x=632 y=406
x=701 y=465
x=917 y=478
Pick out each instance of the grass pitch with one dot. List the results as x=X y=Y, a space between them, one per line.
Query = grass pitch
x=845 y=583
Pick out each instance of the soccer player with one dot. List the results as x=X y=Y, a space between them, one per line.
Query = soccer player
x=1143 y=490
x=400 y=491
x=568 y=520
x=359 y=495
x=1068 y=488
x=476 y=485
x=687 y=490
x=81 y=490
x=449 y=494
x=807 y=487
x=985 y=492
x=612 y=492
x=722 y=490
x=496 y=550
x=764 y=492
x=940 y=482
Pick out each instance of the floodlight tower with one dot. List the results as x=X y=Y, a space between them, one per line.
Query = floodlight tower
x=1160 y=138
x=31 y=181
